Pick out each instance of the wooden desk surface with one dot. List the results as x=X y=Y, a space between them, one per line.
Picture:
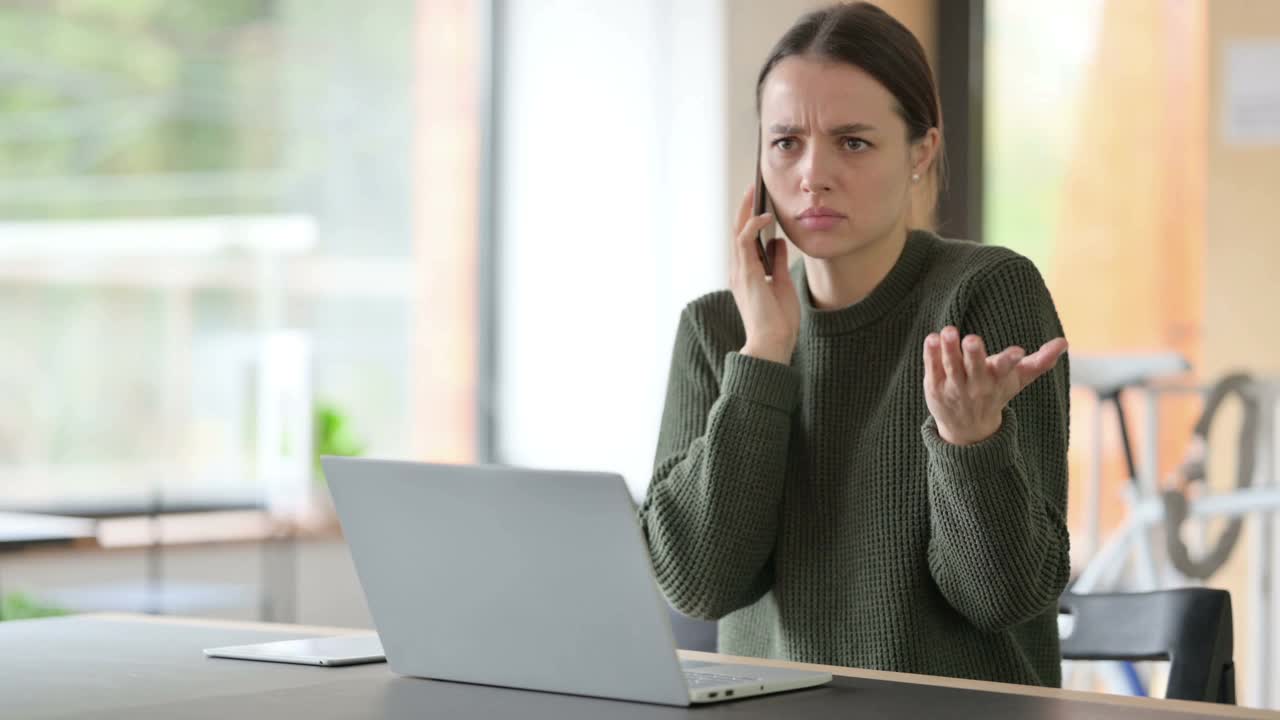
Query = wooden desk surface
x=277 y=681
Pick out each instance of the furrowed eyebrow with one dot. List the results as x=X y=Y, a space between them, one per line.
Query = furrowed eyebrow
x=847 y=129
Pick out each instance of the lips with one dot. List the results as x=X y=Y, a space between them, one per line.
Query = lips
x=819 y=218
x=821 y=222
x=819 y=211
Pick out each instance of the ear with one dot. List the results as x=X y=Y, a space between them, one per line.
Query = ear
x=924 y=150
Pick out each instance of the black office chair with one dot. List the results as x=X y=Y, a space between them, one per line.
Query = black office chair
x=1189 y=627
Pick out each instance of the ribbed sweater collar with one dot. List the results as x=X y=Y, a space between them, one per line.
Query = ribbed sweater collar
x=888 y=294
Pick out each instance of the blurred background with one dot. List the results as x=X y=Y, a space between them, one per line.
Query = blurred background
x=237 y=235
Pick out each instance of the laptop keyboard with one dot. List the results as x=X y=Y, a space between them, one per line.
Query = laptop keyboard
x=706 y=679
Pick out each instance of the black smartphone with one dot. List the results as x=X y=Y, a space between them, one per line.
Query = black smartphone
x=762 y=205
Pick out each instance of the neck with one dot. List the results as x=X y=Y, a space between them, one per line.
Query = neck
x=842 y=281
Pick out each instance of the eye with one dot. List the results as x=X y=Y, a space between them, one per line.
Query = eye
x=855 y=144
x=784 y=143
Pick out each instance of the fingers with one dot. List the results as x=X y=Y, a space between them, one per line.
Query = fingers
x=952 y=358
x=1002 y=362
x=964 y=387
x=934 y=373
x=1041 y=361
x=745 y=248
x=744 y=213
x=975 y=358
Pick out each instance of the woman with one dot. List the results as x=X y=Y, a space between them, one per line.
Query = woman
x=844 y=475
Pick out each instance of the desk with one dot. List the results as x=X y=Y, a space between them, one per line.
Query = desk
x=146 y=668
x=138 y=504
x=19 y=530
x=276 y=591
x=22 y=530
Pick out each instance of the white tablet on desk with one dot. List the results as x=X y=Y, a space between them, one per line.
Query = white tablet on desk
x=330 y=651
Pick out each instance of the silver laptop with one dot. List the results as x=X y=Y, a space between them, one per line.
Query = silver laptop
x=522 y=578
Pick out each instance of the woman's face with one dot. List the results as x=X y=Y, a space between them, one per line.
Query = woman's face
x=832 y=139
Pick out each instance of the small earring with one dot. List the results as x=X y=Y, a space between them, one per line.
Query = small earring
x=915 y=177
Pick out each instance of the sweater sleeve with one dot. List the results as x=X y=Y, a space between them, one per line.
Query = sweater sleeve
x=711 y=512
x=998 y=547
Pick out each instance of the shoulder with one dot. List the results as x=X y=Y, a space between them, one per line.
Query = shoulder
x=962 y=272
x=962 y=260
x=1001 y=295
x=714 y=319
x=711 y=322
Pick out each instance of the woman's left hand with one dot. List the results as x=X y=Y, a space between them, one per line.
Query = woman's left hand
x=967 y=391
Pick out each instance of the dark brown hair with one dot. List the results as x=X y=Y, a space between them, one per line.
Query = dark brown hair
x=866 y=37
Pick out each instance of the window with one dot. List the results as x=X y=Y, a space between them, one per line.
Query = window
x=207 y=238
x=1095 y=149
x=611 y=183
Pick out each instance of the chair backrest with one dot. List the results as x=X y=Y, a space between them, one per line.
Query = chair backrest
x=1189 y=627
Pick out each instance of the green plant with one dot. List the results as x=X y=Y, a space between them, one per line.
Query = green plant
x=20 y=606
x=333 y=435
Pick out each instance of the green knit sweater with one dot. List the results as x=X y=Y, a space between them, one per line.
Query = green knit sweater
x=814 y=510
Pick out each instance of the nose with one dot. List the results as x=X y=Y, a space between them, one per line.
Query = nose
x=814 y=176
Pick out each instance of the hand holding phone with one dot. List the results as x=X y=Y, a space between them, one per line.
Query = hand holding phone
x=767 y=302
x=761 y=207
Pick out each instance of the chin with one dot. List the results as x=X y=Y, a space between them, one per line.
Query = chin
x=826 y=245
